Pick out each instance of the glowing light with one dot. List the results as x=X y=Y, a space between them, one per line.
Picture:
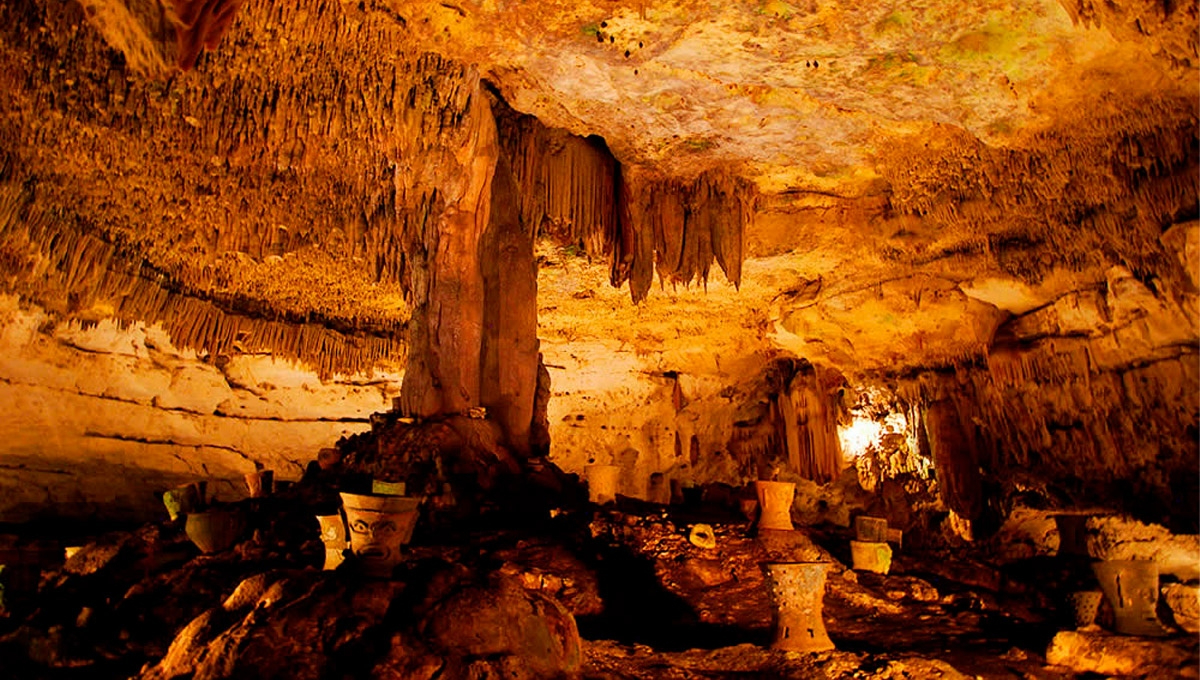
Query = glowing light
x=859 y=436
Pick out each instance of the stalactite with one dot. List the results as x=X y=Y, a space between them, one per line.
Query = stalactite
x=1107 y=184
x=71 y=273
x=576 y=193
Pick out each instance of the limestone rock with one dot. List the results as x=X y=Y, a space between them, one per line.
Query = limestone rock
x=1183 y=601
x=1120 y=538
x=1094 y=652
x=508 y=626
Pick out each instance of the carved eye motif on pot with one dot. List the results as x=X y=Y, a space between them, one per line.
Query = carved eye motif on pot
x=375 y=537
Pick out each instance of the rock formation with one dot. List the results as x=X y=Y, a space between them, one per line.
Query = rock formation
x=934 y=262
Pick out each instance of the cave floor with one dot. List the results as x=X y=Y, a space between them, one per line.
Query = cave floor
x=648 y=603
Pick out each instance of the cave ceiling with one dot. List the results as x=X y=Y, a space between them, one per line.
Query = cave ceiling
x=914 y=172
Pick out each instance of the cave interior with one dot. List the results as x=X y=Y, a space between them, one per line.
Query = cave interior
x=530 y=339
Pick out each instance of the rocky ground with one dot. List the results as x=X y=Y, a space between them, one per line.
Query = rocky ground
x=618 y=592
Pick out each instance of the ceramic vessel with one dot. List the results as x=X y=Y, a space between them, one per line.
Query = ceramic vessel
x=1131 y=587
x=1084 y=605
x=379 y=526
x=214 y=530
x=336 y=539
x=333 y=528
x=873 y=556
x=797 y=590
x=602 y=481
x=870 y=529
x=260 y=483
x=333 y=558
x=183 y=499
x=775 y=502
x=895 y=536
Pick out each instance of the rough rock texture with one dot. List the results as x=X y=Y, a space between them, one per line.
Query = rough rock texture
x=99 y=419
x=983 y=214
x=1117 y=538
x=1183 y=601
x=1119 y=655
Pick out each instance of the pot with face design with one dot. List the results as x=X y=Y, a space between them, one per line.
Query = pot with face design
x=379 y=526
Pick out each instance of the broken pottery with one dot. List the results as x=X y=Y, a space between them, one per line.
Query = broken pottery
x=873 y=556
x=871 y=529
x=1131 y=587
x=379 y=526
x=602 y=481
x=775 y=500
x=702 y=536
x=214 y=530
x=797 y=590
x=183 y=499
x=260 y=483
x=334 y=536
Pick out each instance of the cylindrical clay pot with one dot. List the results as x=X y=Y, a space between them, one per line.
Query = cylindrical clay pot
x=602 y=481
x=1084 y=606
x=379 y=525
x=871 y=529
x=873 y=556
x=775 y=502
x=1131 y=587
x=182 y=500
x=797 y=590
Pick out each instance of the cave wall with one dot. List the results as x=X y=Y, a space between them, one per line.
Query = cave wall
x=97 y=420
x=1093 y=399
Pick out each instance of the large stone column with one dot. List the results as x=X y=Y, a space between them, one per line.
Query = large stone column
x=510 y=344
x=473 y=335
x=446 y=331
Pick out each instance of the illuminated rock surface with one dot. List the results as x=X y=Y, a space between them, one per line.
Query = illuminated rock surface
x=932 y=262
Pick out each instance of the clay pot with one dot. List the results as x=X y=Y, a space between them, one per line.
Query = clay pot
x=797 y=591
x=1131 y=587
x=336 y=539
x=260 y=483
x=873 y=556
x=333 y=528
x=775 y=500
x=184 y=499
x=214 y=530
x=1072 y=535
x=379 y=526
x=1084 y=606
x=870 y=529
x=602 y=481
x=895 y=536
x=333 y=558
